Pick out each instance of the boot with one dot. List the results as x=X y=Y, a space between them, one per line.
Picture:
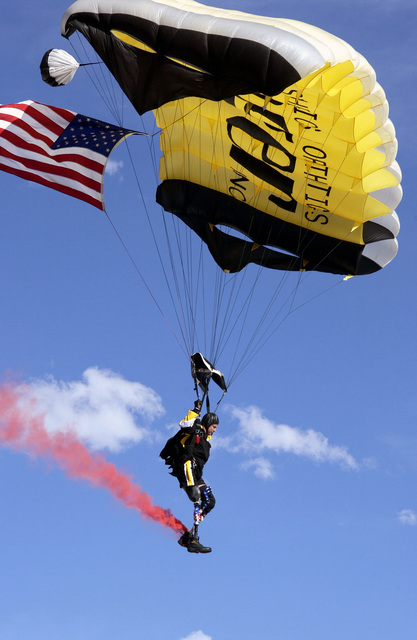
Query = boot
x=194 y=546
x=185 y=539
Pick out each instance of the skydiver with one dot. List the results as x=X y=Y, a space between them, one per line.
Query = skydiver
x=187 y=452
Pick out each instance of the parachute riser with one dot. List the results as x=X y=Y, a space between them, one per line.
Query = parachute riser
x=205 y=396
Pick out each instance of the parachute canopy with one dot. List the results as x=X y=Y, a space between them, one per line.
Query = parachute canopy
x=271 y=128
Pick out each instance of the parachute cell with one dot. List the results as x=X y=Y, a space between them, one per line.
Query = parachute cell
x=270 y=127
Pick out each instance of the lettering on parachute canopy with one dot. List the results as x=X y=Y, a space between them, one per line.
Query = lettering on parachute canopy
x=270 y=125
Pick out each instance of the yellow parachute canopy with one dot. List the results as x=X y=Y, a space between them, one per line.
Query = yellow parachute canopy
x=271 y=127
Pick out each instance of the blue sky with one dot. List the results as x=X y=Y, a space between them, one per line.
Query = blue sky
x=314 y=462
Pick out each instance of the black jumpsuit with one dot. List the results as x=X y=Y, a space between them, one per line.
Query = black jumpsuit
x=189 y=465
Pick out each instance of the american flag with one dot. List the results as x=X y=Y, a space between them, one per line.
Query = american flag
x=57 y=148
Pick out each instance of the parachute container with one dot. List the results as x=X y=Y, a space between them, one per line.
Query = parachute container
x=203 y=371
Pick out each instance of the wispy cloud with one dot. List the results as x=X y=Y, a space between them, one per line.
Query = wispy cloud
x=408 y=516
x=259 y=435
x=103 y=409
x=197 y=635
x=114 y=167
x=262 y=468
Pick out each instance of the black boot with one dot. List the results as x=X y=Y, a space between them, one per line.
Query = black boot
x=194 y=546
x=185 y=539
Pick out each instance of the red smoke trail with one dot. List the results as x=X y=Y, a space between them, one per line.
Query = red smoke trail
x=23 y=431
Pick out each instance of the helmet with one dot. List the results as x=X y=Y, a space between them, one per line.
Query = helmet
x=209 y=419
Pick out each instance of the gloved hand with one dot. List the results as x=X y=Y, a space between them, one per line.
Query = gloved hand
x=197 y=406
x=198 y=428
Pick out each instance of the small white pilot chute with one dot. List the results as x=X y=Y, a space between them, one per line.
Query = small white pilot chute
x=58 y=67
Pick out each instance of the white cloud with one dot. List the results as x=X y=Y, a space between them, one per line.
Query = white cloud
x=113 y=166
x=262 y=468
x=197 y=635
x=369 y=463
x=103 y=408
x=258 y=435
x=407 y=516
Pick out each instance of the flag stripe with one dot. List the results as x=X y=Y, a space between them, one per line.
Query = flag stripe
x=51 y=118
x=57 y=173
x=76 y=193
x=28 y=131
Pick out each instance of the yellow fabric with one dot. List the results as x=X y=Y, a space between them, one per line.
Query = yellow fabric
x=334 y=130
x=189 y=419
x=189 y=473
x=184 y=439
x=143 y=47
